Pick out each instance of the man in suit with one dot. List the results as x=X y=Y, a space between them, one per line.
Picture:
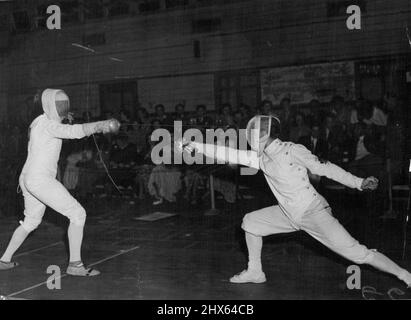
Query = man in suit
x=315 y=143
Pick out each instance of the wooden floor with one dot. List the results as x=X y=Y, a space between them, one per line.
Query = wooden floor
x=189 y=256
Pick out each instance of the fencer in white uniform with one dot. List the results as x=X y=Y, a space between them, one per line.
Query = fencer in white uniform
x=300 y=207
x=39 y=184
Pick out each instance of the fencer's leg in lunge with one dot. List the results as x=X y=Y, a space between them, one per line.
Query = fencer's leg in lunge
x=321 y=225
x=75 y=237
x=257 y=224
x=33 y=212
x=254 y=272
x=55 y=195
x=254 y=247
x=19 y=235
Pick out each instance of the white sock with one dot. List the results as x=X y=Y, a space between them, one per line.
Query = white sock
x=16 y=241
x=254 y=246
x=75 y=236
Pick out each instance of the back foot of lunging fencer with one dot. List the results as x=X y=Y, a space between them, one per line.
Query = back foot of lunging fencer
x=8 y=265
x=82 y=271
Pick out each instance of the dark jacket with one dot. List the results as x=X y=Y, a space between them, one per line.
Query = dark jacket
x=320 y=149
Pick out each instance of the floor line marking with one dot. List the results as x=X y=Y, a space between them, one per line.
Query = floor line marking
x=65 y=274
x=38 y=249
x=114 y=256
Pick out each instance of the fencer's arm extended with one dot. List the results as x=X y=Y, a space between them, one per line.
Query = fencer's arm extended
x=75 y=131
x=228 y=155
x=96 y=127
x=65 y=131
x=305 y=158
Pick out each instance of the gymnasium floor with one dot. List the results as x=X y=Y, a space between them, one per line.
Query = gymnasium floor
x=189 y=256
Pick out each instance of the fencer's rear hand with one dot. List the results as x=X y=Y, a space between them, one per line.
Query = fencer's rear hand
x=370 y=183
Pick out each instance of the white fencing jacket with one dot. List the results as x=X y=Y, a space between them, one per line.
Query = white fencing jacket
x=285 y=166
x=46 y=134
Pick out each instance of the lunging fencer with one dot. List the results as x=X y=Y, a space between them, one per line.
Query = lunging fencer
x=38 y=179
x=300 y=207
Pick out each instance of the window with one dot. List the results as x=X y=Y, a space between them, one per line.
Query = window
x=206 y=25
x=148 y=6
x=176 y=3
x=371 y=80
x=118 y=8
x=119 y=96
x=237 y=88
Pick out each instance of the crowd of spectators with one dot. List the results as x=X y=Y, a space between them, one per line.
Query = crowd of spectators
x=13 y=145
x=357 y=135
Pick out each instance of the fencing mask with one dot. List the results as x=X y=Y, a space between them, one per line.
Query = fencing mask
x=259 y=129
x=56 y=104
x=62 y=104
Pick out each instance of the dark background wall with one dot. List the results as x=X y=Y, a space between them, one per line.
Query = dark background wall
x=174 y=57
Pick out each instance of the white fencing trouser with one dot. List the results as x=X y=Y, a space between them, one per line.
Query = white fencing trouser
x=317 y=222
x=42 y=191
